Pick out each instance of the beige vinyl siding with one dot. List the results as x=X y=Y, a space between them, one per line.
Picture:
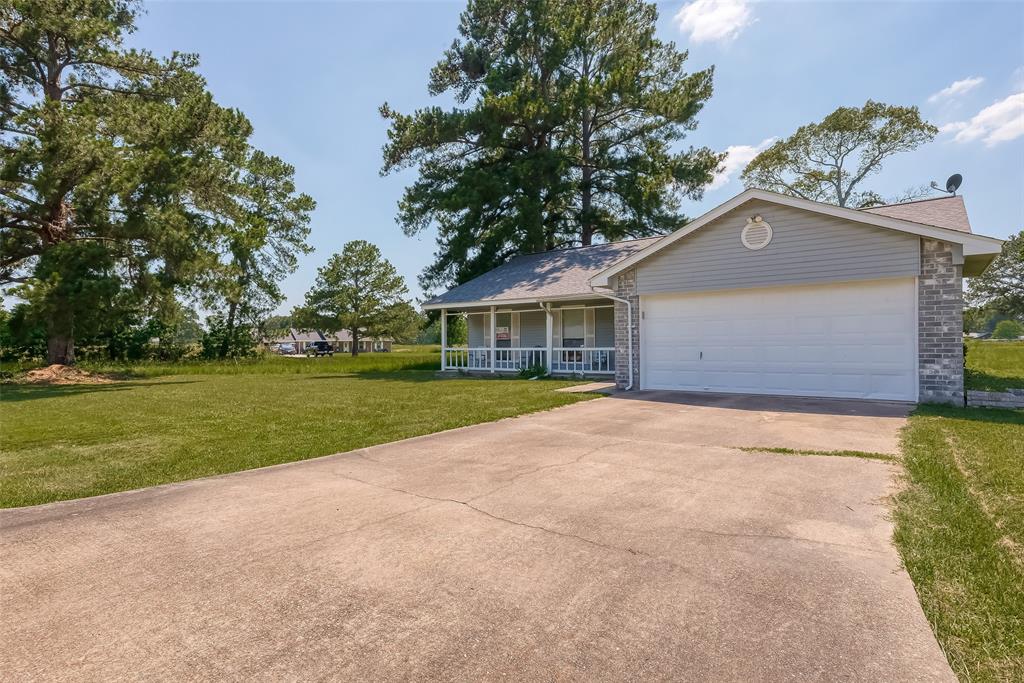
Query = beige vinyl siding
x=805 y=248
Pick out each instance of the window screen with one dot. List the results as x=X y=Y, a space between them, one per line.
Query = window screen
x=573 y=331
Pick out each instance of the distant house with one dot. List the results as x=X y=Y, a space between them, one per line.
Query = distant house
x=341 y=341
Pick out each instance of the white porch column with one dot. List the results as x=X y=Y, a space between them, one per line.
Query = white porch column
x=444 y=339
x=549 y=319
x=494 y=343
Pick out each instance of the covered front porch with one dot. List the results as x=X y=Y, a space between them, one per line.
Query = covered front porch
x=571 y=338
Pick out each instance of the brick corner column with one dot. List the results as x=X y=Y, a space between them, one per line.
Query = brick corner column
x=940 y=303
x=625 y=287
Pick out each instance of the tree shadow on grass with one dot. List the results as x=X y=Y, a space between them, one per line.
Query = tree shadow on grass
x=979 y=380
x=415 y=376
x=993 y=415
x=419 y=376
x=29 y=392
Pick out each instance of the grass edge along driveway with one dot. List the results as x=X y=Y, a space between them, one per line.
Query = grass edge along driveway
x=959 y=527
x=68 y=442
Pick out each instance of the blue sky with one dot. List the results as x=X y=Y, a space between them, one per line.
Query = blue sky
x=311 y=75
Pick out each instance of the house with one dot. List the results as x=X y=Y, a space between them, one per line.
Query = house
x=297 y=339
x=764 y=294
x=340 y=341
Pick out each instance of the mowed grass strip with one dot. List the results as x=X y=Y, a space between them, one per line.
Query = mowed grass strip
x=867 y=455
x=994 y=365
x=69 y=442
x=959 y=526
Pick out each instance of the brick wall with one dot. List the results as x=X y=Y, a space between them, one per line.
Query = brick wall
x=940 y=362
x=625 y=287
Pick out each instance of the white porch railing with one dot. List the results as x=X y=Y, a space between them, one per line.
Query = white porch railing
x=517 y=359
x=461 y=358
x=591 y=361
x=563 y=360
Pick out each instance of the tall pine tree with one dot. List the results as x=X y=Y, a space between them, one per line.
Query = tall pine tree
x=122 y=183
x=567 y=131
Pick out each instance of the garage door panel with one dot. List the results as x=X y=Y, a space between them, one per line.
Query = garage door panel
x=772 y=327
x=854 y=384
x=848 y=340
x=812 y=325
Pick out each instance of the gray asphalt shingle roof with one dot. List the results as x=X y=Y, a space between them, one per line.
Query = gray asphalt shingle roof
x=551 y=274
x=942 y=212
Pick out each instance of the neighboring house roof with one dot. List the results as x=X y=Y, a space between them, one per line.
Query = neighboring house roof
x=306 y=335
x=978 y=250
x=346 y=336
x=549 y=275
x=316 y=335
x=942 y=212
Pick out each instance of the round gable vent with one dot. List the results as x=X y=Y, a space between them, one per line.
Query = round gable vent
x=756 y=234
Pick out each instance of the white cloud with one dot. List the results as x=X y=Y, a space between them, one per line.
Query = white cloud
x=999 y=122
x=736 y=159
x=957 y=88
x=714 y=20
x=952 y=127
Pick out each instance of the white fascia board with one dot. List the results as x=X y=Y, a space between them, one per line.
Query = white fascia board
x=455 y=305
x=972 y=244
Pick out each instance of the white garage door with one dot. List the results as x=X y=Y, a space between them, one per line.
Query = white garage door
x=853 y=340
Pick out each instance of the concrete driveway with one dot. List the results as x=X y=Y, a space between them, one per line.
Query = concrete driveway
x=619 y=538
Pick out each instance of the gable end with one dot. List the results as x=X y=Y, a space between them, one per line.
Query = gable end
x=806 y=247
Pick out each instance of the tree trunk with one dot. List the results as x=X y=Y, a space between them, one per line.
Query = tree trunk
x=355 y=342
x=229 y=334
x=586 y=160
x=60 y=342
x=586 y=201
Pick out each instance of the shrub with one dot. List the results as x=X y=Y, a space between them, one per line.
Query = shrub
x=1008 y=329
x=533 y=371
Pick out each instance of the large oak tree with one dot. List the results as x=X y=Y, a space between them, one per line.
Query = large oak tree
x=568 y=130
x=830 y=161
x=122 y=182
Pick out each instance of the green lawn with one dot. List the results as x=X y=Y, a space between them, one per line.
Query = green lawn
x=172 y=423
x=995 y=366
x=960 y=529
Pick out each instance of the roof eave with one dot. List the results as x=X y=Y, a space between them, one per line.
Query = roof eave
x=507 y=302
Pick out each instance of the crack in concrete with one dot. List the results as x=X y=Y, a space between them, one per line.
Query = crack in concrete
x=606 y=546
x=468 y=504
x=568 y=463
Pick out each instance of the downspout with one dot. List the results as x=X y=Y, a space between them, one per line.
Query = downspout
x=629 y=329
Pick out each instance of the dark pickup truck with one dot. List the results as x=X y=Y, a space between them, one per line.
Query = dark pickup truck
x=319 y=348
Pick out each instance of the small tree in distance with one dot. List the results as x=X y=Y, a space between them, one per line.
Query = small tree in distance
x=1001 y=287
x=359 y=291
x=829 y=161
x=1008 y=329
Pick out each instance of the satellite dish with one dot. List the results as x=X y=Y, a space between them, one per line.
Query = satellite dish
x=953 y=183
